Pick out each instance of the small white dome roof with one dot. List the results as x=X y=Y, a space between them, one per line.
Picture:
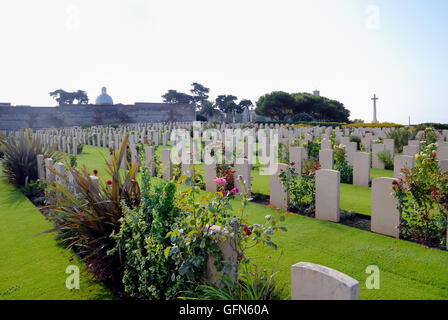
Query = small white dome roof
x=104 y=98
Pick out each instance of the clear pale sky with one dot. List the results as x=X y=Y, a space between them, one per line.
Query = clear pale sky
x=348 y=49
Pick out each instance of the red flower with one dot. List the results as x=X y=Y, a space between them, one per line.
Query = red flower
x=95 y=172
x=293 y=163
x=108 y=182
x=247 y=231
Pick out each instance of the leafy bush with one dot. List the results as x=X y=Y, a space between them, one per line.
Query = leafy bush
x=73 y=160
x=79 y=148
x=305 y=117
x=313 y=148
x=341 y=164
x=357 y=140
x=301 y=188
x=35 y=191
x=142 y=241
x=423 y=199
x=387 y=159
x=86 y=219
x=20 y=157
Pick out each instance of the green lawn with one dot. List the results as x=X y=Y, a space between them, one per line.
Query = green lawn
x=408 y=270
x=32 y=265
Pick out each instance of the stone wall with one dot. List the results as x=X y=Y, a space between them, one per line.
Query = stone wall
x=16 y=117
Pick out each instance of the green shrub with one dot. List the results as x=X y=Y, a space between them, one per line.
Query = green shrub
x=73 y=160
x=301 y=188
x=422 y=200
x=341 y=164
x=79 y=148
x=20 y=158
x=313 y=148
x=142 y=241
x=35 y=191
x=387 y=159
x=357 y=140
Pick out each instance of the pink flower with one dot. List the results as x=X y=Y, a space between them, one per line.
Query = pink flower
x=220 y=181
x=234 y=190
x=108 y=182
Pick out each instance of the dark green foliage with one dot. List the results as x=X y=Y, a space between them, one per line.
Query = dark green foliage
x=313 y=148
x=73 y=161
x=301 y=188
x=302 y=117
x=277 y=105
x=387 y=159
x=172 y=96
x=142 y=240
x=341 y=165
x=320 y=107
x=280 y=105
x=227 y=104
x=35 y=191
x=346 y=172
x=437 y=126
x=357 y=140
x=20 y=158
x=64 y=97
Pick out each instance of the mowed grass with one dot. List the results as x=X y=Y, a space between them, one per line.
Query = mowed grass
x=32 y=265
x=407 y=270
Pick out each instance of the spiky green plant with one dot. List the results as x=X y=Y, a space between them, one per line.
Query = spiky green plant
x=20 y=157
x=254 y=284
x=401 y=136
x=87 y=214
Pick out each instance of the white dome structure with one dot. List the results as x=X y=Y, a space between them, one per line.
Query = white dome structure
x=104 y=98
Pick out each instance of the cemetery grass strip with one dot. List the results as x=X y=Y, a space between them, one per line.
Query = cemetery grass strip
x=407 y=270
x=32 y=266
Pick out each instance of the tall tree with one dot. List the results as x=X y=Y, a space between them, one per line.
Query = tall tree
x=277 y=105
x=245 y=103
x=63 y=97
x=227 y=104
x=173 y=96
x=200 y=94
x=208 y=110
x=321 y=108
